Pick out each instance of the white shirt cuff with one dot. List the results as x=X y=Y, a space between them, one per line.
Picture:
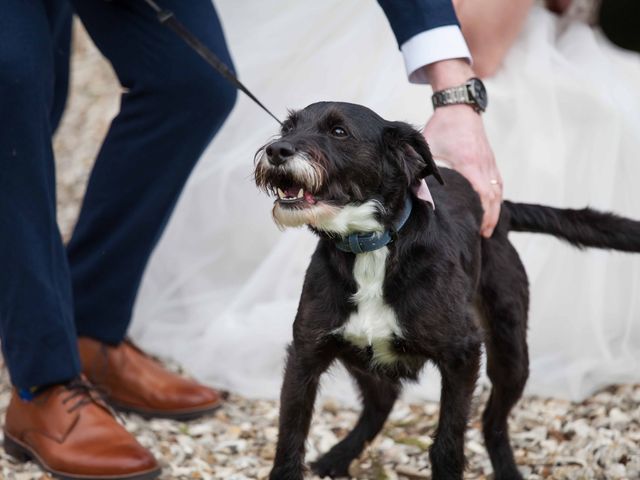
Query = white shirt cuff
x=430 y=46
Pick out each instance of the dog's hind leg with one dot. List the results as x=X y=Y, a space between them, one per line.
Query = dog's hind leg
x=378 y=397
x=504 y=304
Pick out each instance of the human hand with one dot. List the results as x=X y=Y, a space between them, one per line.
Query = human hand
x=456 y=135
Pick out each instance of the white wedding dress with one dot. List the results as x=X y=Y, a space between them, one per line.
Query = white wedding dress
x=222 y=289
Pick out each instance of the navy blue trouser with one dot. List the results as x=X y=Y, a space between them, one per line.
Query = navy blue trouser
x=172 y=107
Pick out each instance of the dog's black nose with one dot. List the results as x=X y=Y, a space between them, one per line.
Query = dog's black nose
x=279 y=152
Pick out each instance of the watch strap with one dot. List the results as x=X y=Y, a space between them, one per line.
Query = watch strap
x=454 y=96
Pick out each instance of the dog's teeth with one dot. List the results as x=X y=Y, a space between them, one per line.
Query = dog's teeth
x=301 y=193
x=281 y=194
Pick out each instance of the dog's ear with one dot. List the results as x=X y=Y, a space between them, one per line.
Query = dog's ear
x=408 y=147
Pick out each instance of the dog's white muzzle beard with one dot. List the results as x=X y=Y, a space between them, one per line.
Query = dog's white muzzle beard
x=332 y=219
x=306 y=177
x=309 y=177
x=299 y=168
x=313 y=215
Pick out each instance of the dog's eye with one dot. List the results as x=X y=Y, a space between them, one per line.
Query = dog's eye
x=338 y=132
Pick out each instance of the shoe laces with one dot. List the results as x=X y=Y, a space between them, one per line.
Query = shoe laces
x=85 y=393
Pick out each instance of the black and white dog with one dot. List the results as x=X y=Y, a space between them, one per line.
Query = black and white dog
x=394 y=283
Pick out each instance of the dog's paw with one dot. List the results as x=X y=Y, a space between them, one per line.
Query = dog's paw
x=330 y=466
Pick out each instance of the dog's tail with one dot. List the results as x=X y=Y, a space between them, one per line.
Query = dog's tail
x=581 y=228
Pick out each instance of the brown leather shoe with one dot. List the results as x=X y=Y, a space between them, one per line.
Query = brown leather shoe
x=136 y=383
x=70 y=433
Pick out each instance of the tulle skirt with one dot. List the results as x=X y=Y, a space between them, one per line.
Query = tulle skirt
x=222 y=289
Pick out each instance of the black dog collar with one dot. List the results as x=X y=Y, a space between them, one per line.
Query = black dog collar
x=370 y=241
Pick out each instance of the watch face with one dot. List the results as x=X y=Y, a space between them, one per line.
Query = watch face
x=479 y=93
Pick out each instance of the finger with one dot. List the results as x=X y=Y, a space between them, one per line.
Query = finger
x=486 y=200
x=492 y=220
x=492 y=215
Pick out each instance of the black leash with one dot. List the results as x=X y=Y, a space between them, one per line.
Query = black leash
x=168 y=19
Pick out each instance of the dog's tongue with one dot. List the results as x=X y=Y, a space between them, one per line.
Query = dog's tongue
x=309 y=198
x=292 y=191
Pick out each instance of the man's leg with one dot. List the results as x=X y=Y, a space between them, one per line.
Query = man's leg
x=173 y=106
x=36 y=316
x=65 y=428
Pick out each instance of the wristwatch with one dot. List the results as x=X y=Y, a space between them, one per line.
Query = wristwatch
x=472 y=92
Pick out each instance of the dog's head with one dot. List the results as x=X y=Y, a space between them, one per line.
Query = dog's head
x=339 y=168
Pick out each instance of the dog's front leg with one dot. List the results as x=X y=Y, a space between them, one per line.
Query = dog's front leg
x=459 y=374
x=297 y=397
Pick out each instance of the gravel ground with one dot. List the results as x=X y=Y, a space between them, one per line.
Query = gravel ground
x=596 y=439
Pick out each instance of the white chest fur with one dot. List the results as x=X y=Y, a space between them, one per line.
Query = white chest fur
x=374 y=323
